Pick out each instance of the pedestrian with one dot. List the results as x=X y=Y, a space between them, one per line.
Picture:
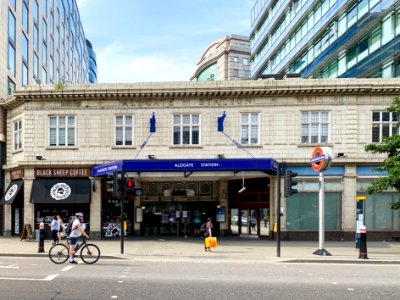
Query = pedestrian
x=76 y=231
x=196 y=225
x=54 y=230
x=207 y=234
x=60 y=228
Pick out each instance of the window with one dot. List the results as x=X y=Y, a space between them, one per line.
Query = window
x=235 y=59
x=123 y=130
x=25 y=17
x=24 y=74
x=35 y=12
x=17 y=126
x=10 y=87
x=186 y=129
x=61 y=131
x=44 y=7
x=245 y=61
x=249 y=128
x=44 y=31
x=315 y=127
x=13 y=4
x=44 y=76
x=384 y=125
x=35 y=66
x=235 y=73
x=11 y=27
x=35 y=38
x=11 y=59
x=44 y=54
x=24 y=48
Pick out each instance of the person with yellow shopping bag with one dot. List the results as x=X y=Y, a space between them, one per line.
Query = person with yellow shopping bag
x=207 y=235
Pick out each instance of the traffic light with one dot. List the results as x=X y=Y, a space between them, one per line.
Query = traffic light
x=131 y=188
x=112 y=185
x=289 y=183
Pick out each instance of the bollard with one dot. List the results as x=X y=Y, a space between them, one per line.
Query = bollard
x=363 y=243
x=41 y=238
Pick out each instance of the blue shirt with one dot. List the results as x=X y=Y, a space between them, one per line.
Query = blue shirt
x=54 y=225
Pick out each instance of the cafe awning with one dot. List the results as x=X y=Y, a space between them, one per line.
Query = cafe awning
x=14 y=193
x=60 y=191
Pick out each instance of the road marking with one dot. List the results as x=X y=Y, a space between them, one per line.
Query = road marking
x=335 y=283
x=114 y=297
x=48 y=278
x=123 y=276
x=9 y=267
x=350 y=289
x=67 y=268
x=120 y=281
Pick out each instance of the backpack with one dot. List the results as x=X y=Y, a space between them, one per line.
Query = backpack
x=68 y=229
x=203 y=228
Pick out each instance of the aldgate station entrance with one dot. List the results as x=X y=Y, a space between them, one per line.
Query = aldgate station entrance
x=178 y=195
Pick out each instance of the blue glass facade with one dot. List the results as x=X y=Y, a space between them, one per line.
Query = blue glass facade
x=92 y=70
x=326 y=38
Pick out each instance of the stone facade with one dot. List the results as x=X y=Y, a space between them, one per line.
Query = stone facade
x=279 y=104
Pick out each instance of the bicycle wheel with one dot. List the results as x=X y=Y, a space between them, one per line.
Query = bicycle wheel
x=90 y=253
x=59 y=253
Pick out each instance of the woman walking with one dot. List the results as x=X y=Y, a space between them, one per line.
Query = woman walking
x=60 y=228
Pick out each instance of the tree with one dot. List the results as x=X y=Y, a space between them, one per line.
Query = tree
x=391 y=146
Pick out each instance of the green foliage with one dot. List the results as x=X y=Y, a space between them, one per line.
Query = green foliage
x=390 y=146
x=59 y=85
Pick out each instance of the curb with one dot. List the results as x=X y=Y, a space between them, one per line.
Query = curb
x=47 y=255
x=294 y=261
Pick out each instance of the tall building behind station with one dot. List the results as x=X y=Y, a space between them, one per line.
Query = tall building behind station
x=325 y=38
x=225 y=59
x=42 y=43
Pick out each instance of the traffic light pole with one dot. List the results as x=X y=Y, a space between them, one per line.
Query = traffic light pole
x=123 y=196
x=278 y=211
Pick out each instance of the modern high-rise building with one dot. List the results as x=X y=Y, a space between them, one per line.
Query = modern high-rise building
x=325 y=38
x=92 y=72
x=225 y=59
x=42 y=42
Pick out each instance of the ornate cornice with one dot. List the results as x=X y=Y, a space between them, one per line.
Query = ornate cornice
x=222 y=89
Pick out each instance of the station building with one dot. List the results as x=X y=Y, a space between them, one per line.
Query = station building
x=189 y=168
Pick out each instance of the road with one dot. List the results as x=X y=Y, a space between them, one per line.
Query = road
x=206 y=278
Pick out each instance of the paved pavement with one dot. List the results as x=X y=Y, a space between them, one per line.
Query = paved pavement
x=240 y=250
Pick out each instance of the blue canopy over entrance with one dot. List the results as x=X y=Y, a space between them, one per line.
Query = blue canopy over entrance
x=266 y=165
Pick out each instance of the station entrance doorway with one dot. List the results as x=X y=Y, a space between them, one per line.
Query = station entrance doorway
x=250 y=209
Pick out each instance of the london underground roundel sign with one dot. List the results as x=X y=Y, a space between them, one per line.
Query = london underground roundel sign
x=321 y=158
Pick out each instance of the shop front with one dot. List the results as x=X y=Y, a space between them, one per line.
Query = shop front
x=63 y=196
x=174 y=202
x=13 y=199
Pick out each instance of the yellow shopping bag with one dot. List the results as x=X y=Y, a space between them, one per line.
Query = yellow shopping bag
x=211 y=242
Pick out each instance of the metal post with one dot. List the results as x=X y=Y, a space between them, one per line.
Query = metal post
x=123 y=196
x=321 y=250
x=278 y=211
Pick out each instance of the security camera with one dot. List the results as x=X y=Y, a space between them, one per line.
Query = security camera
x=242 y=189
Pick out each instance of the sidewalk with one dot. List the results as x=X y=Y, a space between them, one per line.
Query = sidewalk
x=229 y=249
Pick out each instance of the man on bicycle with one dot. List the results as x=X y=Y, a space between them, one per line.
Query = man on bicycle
x=76 y=231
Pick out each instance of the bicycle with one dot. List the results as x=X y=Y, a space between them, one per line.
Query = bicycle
x=59 y=253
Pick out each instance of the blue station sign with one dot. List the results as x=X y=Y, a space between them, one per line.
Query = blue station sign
x=266 y=165
x=106 y=169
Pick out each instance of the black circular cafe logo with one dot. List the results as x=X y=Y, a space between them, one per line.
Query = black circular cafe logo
x=11 y=192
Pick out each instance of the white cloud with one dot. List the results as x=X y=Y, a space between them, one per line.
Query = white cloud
x=117 y=65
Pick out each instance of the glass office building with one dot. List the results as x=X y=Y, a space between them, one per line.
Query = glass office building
x=42 y=43
x=325 y=38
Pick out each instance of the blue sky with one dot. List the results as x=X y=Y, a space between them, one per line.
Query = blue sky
x=157 y=40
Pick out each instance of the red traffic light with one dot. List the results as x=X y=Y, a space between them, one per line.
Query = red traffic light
x=130 y=184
